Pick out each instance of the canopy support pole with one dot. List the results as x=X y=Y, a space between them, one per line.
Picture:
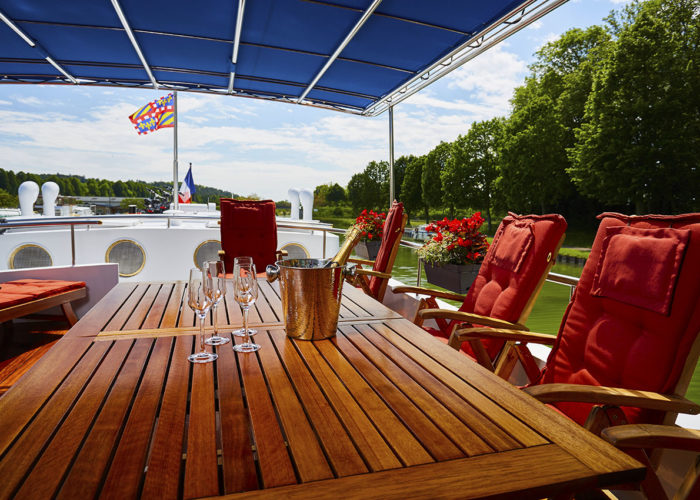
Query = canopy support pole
x=391 y=155
x=175 y=200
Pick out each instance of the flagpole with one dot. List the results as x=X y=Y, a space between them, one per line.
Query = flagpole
x=175 y=190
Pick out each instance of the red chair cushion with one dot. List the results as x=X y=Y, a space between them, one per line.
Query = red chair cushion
x=510 y=248
x=640 y=266
x=17 y=292
x=248 y=228
x=617 y=336
x=392 y=232
x=512 y=268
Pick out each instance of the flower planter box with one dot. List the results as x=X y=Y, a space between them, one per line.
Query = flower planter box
x=454 y=277
x=368 y=249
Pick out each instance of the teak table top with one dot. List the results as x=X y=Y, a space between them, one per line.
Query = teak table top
x=114 y=409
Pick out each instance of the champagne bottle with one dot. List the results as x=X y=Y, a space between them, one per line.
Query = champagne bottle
x=344 y=253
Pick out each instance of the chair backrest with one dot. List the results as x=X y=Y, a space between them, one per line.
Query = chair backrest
x=514 y=269
x=391 y=238
x=635 y=316
x=248 y=228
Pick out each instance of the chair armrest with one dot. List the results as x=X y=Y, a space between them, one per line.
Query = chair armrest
x=221 y=253
x=369 y=272
x=652 y=436
x=428 y=291
x=575 y=393
x=469 y=318
x=363 y=262
x=511 y=334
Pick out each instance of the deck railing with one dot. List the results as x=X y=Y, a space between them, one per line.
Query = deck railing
x=325 y=228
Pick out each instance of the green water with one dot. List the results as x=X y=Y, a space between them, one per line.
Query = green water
x=547 y=313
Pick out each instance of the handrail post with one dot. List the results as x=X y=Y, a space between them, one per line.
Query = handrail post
x=325 y=232
x=420 y=271
x=72 y=243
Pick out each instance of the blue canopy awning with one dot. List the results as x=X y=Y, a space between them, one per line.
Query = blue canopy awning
x=358 y=56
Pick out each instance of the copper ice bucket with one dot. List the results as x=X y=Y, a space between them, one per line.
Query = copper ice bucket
x=311 y=294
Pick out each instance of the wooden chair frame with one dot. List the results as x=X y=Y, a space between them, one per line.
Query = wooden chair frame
x=362 y=276
x=637 y=439
x=30 y=308
x=428 y=309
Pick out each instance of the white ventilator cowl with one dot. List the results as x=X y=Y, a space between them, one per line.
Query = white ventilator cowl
x=294 y=200
x=28 y=192
x=307 y=203
x=49 y=192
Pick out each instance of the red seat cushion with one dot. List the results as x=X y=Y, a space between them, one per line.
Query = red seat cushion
x=17 y=292
x=636 y=310
x=248 y=228
x=392 y=232
x=513 y=266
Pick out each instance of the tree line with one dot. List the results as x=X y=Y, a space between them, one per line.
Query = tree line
x=607 y=119
x=76 y=185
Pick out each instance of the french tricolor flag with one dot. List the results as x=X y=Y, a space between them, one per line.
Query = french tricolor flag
x=186 y=188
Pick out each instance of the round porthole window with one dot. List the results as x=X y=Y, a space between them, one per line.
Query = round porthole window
x=207 y=251
x=129 y=255
x=295 y=251
x=30 y=255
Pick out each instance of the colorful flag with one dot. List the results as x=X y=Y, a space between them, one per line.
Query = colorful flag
x=186 y=188
x=154 y=115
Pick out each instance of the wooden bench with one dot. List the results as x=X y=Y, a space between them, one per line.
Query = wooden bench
x=22 y=298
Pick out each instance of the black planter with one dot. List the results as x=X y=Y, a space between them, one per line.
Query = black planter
x=454 y=277
x=368 y=249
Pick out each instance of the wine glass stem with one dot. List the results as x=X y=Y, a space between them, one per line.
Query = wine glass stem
x=213 y=313
x=201 y=332
x=245 y=325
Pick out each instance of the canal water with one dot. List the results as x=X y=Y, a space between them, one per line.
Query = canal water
x=549 y=307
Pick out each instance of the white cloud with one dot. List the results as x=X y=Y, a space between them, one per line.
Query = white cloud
x=536 y=25
x=30 y=101
x=5 y=103
x=490 y=78
x=548 y=38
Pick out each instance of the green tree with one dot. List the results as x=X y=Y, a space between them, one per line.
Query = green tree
x=470 y=175
x=411 y=191
x=4 y=180
x=335 y=194
x=106 y=188
x=546 y=110
x=431 y=184
x=124 y=204
x=120 y=189
x=8 y=200
x=370 y=188
x=639 y=143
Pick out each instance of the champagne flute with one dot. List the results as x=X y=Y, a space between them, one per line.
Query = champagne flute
x=215 y=288
x=245 y=260
x=245 y=288
x=200 y=304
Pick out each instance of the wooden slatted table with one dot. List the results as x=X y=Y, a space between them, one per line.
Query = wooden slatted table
x=383 y=410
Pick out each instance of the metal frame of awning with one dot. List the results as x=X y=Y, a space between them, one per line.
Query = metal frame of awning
x=490 y=35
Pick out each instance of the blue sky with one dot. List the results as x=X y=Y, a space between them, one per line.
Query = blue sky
x=248 y=146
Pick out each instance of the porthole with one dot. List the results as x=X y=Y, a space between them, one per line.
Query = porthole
x=295 y=251
x=206 y=251
x=129 y=255
x=30 y=255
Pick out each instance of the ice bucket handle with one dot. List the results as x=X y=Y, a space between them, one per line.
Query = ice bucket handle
x=272 y=271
